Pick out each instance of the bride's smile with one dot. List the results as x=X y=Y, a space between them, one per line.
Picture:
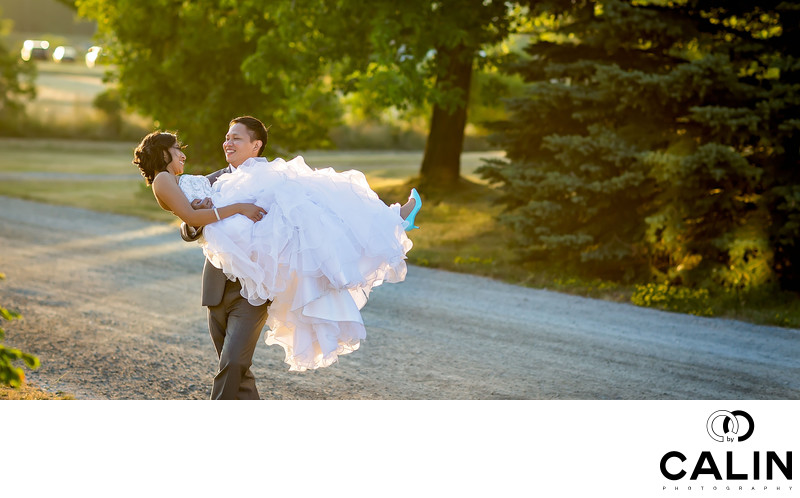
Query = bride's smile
x=178 y=160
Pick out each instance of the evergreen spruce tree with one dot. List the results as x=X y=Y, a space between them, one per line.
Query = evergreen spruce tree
x=659 y=136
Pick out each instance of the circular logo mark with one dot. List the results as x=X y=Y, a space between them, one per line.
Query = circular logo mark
x=729 y=425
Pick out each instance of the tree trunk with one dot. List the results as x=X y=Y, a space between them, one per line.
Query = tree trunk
x=441 y=164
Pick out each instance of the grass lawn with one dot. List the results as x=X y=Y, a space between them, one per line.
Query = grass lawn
x=66 y=156
x=459 y=231
x=459 y=228
x=118 y=196
x=56 y=170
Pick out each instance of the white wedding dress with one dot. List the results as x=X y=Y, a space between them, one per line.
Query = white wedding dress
x=325 y=242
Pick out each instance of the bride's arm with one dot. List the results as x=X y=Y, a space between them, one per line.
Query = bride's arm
x=168 y=192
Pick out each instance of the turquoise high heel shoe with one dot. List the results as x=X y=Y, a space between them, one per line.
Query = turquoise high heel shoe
x=408 y=224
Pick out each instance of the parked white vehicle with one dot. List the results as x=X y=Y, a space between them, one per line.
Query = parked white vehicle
x=64 y=53
x=92 y=56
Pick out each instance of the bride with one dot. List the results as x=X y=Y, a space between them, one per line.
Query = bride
x=313 y=242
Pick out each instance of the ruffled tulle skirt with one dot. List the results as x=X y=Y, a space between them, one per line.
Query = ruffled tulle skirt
x=326 y=241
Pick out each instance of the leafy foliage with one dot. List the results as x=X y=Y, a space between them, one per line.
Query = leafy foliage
x=659 y=138
x=15 y=83
x=673 y=298
x=194 y=65
x=108 y=102
x=184 y=66
x=12 y=90
x=11 y=375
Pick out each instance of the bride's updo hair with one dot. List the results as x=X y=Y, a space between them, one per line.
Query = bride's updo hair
x=152 y=153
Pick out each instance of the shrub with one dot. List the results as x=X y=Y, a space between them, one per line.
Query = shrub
x=110 y=105
x=11 y=375
x=672 y=298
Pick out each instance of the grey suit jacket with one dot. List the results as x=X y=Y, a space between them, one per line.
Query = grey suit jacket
x=213 y=278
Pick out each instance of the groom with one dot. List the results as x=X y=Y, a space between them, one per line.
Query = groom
x=235 y=325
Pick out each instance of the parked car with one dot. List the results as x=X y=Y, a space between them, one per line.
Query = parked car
x=35 y=49
x=94 y=56
x=64 y=53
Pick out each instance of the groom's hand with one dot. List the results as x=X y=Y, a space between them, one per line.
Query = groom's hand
x=190 y=234
x=202 y=203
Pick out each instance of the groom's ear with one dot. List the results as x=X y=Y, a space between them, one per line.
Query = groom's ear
x=257 y=145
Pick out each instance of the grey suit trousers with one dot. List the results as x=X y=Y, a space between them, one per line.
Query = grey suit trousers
x=235 y=326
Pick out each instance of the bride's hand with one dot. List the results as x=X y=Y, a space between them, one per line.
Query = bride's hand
x=202 y=203
x=252 y=211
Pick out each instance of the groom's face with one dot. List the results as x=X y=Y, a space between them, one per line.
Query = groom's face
x=238 y=145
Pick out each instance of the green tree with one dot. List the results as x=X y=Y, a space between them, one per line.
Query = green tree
x=192 y=65
x=11 y=375
x=420 y=52
x=659 y=136
x=182 y=64
x=16 y=83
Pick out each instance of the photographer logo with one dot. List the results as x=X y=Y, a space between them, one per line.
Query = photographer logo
x=722 y=423
x=733 y=466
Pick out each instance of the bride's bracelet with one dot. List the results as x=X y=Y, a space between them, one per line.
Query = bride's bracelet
x=216 y=213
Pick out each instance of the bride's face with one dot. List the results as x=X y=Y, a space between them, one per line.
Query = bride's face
x=175 y=166
x=238 y=145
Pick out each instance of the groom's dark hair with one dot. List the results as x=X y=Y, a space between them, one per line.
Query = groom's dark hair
x=256 y=128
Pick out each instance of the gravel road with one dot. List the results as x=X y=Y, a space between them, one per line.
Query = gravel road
x=111 y=306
